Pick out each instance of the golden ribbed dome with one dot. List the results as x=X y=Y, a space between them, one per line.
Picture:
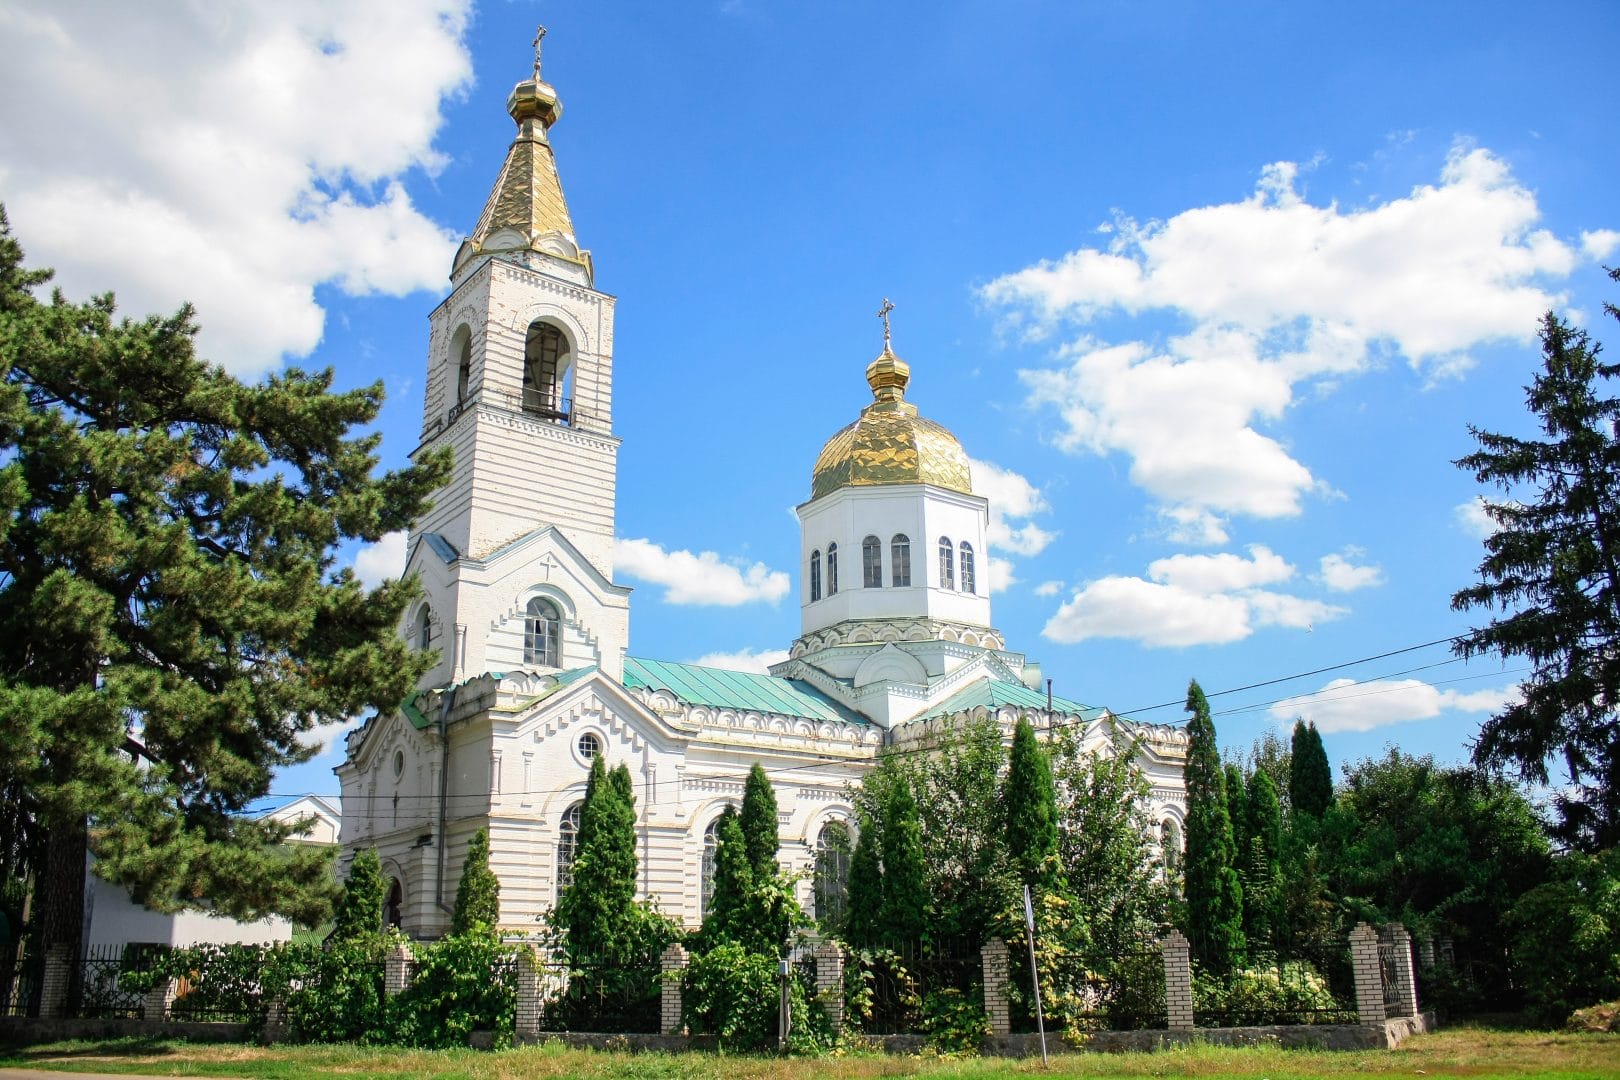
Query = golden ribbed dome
x=890 y=443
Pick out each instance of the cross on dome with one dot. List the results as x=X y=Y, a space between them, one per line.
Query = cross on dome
x=883 y=313
x=539 y=36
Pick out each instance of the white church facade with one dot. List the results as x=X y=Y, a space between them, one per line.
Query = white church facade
x=534 y=678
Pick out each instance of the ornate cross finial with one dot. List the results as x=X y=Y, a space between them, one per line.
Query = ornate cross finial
x=883 y=313
x=539 y=36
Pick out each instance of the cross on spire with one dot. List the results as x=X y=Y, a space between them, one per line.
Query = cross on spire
x=539 y=36
x=883 y=313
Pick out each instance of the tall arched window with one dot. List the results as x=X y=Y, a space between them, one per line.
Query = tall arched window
x=967 y=566
x=706 y=877
x=464 y=369
x=832 y=872
x=567 y=846
x=815 y=575
x=1170 y=848
x=832 y=568
x=424 y=628
x=546 y=372
x=541 y=633
x=393 y=907
x=947 y=557
x=871 y=563
x=900 y=561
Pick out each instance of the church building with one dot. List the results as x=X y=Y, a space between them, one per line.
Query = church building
x=534 y=677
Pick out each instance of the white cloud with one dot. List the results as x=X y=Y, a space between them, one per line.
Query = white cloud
x=1001 y=575
x=758 y=663
x=1348 y=705
x=1599 y=243
x=327 y=738
x=1048 y=588
x=1341 y=575
x=701 y=579
x=258 y=160
x=1013 y=501
x=376 y=563
x=1189 y=600
x=1472 y=518
x=1275 y=292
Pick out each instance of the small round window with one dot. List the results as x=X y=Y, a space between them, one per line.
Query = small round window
x=399 y=763
x=589 y=746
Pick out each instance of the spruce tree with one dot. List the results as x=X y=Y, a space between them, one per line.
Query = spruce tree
x=758 y=822
x=595 y=909
x=173 y=621
x=360 y=911
x=1030 y=801
x=478 y=896
x=863 y=903
x=1214 y=893
x=905 y=889
x=1310 y=778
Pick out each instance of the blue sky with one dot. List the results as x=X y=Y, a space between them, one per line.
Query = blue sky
x=1212 y=291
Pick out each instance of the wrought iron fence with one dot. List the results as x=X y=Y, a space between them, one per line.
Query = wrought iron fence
x=19 y=982
x=1120 y=990
x=895 y=991
x=1389 y=967
x=1286 y=982
x=601 y=995
x=95 y=989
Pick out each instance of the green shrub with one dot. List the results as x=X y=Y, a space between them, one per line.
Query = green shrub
x=1294 y=992
x=461 y=985
x=338 y=997
x=954 y=1022
x=732 y=994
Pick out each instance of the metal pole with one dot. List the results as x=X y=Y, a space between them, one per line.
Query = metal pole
x=784 y=1012
x=1034 y=976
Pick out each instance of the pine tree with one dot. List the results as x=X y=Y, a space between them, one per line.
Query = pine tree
x=595 y=909
x=758 y=822
x=172 y=621
x=1310 y=778
x=1030 y=800
x=360 y=911
x=1214 y=893
x=863 y=904
x=905 y=889
x=1262 y=877
x=1552 y=571
x=478 y=896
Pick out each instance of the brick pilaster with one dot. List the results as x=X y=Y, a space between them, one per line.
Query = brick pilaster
x=53 y=984
x=396 y=969
x=527 y=1028
x=673 y=963
x=830 y=983
x=1178 y=991
x=155 y=1005
x=1405 y=979
x=1368 y=974
x=275 y=1022
x=994 y=957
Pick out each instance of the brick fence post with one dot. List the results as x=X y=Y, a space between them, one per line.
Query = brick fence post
x=53 y=984
x=673 y=964
x=1368 y=974
x=830 y=983
x=155 y=1005
x=994 y=957
x=1405 y=981
x=527 y=1027
x=1425 y=951
x=396 y=969
x=275 y=1022
x=1178 y=991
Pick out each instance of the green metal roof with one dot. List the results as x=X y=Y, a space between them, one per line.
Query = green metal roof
x=994 y=693
x=721 y=689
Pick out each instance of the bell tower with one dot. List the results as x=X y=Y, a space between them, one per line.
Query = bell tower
x=520 y=388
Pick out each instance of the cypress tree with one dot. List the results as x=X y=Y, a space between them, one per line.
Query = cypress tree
x=905 y=889
x=1263 y=879
x=1310 y=778
x=1214 y=893
x=731 y=910
x=758 y=822
x=1030 y=800
x=595 y=909
x=863 y=904
x=478 y=896
x=360 y=911
x=1237 y=809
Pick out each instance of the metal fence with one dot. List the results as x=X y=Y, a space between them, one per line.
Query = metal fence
x=1286 y=982
x=95 y=989
x=608 y=995
x=19 y=982
x=1121 y=990
x=897 y=990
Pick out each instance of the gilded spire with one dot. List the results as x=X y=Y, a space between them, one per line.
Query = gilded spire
x=528 y=196
x=888 y=374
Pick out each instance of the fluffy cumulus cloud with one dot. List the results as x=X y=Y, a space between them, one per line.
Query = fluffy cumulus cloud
x=1014 y=502
x=1348 y=705
x=1341 y=573
x=701 y=579
x=376 y=563
x=1048 y=588
x=758 y=663
x=260 y=159
x=1270 y=292
x=1189 y=600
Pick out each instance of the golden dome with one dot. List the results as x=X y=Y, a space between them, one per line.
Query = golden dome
x=890 y=443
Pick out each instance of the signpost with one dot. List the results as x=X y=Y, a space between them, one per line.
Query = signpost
x=1034 y=975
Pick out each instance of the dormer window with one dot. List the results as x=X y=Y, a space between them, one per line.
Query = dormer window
x=947 y=560
x=871 y=563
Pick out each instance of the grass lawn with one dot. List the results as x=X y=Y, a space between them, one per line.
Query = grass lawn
x=1465 y=1051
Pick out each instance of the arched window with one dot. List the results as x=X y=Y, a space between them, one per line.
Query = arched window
x=393 y=907
x=832 y=872
x=706 y=878
x=815 y=575
x=547 y=372
x=871 y=563
x=541 y=631
x=900 y=561
x=967 y=566
x=567 y=846
x=1170 y=846
x=947 y=556
x=424 y=628
x=832 y=569
x=464 y=369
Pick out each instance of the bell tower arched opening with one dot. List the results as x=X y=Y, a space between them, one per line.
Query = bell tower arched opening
x=548 y=373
